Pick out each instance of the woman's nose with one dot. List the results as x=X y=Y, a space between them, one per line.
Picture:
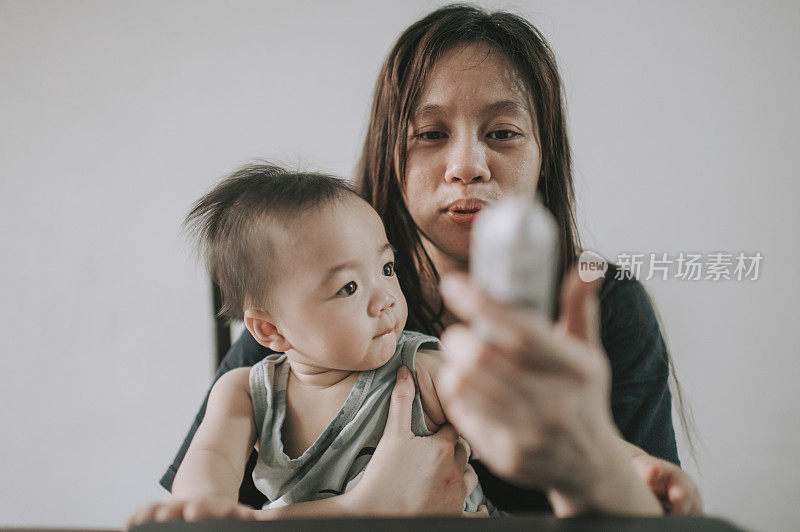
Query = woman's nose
x=467 y=161
x=380 y=302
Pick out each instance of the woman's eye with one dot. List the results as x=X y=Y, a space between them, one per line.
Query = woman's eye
x=388 y=269
x=503 y=134
x=348 y=290
x=431 y=135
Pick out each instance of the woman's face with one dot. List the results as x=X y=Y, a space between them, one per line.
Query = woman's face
x=471 y=140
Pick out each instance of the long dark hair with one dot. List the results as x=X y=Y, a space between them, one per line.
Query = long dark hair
x=380 y=174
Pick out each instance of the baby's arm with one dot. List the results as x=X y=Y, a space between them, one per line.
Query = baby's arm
x=207 y=482
x=216 y=459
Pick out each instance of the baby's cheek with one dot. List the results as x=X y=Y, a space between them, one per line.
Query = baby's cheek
x=353 y=339
x=402 y=308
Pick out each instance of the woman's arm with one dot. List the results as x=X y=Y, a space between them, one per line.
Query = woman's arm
x=533 y=400
x=640 y=397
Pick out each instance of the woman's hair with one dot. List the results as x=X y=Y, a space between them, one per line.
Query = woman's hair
x=232 y=226
x=380 y=175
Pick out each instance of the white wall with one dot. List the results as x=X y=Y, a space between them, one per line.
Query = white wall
x=116 y=116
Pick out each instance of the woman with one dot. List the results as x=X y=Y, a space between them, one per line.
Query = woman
x=468 y=109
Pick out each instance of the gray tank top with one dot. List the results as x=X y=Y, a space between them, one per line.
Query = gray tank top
x=336 y=460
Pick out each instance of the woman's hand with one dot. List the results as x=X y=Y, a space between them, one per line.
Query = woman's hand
x=675 y=489
x=532 y=398
x=413 y=475
x=190 y=510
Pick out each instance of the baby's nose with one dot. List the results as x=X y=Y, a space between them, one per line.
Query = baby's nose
x=382 y=302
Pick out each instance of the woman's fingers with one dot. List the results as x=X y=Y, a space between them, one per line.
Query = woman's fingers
x=398 y=421
x=676 y=496
x=486 y=383
x=475 y=371
x=580 y=309
x=525 y=337
x=467 y=448
x=448 y=434
x=696 y=507
x=483 y=511
x=652 y=473
x=461 y=454
x=684 y=495
x=470 y=480
x=471 y=305
x=674 y=487
x=492 y=441
x=467 y=423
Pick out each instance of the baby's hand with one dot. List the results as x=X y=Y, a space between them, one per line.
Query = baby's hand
x=672 y=486
x=190 y=510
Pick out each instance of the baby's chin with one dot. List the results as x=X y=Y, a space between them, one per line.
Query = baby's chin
x=378 y=358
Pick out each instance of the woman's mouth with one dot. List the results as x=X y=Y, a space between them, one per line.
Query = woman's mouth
x=464 y=211
x=463 y=217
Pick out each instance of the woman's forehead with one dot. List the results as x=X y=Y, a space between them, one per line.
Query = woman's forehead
x=475 y=75
x=430 y=110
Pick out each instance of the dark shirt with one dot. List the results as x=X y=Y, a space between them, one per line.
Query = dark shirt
x=640 y=397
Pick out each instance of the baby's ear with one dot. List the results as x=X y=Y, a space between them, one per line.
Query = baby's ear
x=262 y=326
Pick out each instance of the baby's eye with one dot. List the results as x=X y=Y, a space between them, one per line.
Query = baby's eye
x=503 y=134
x=388 y=269
x=431 y=135
x=348 y=290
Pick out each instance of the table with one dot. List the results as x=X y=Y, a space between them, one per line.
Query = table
x=532 y=522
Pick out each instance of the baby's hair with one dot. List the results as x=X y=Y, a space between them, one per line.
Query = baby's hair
x=230 y=226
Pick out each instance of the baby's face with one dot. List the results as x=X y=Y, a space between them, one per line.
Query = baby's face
x=337 y=300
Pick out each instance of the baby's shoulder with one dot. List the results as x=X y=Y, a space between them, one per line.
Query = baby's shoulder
x=233 y=382
x=230 y=395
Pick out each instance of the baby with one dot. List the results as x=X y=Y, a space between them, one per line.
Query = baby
x=306 y=263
